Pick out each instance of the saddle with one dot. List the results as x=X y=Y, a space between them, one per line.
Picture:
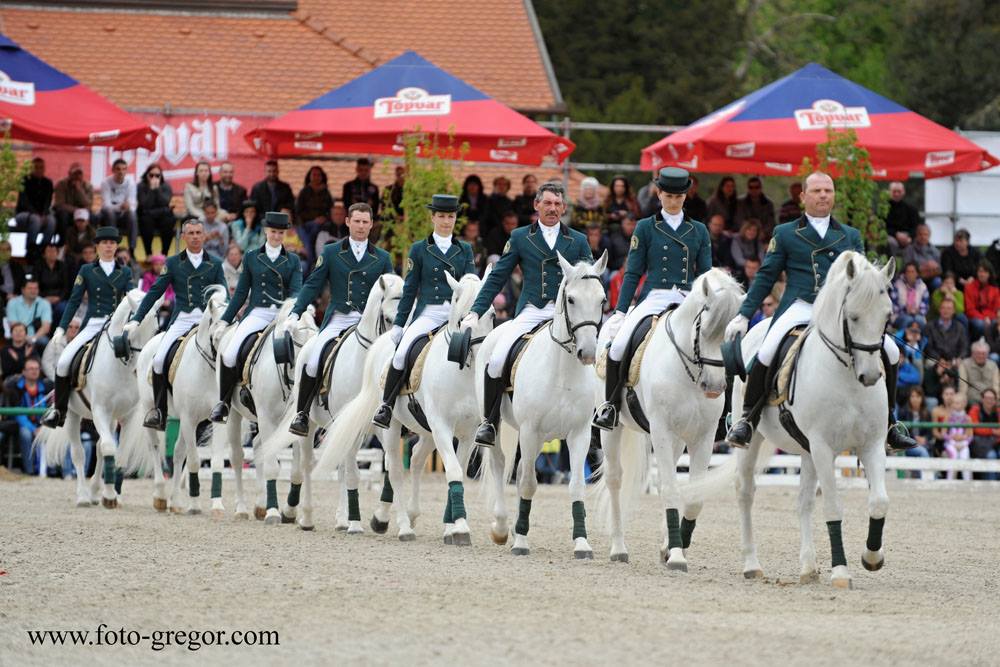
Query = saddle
x=250 y=351
x=83 y=361
x=781 y=382
x=415 y=357
x=514 y=356
x=173 y=360
x=635 y=350
x=327 y=360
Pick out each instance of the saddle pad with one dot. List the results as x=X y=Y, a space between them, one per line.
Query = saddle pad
x=175 y=360
x=783 y=379
x=639 y=347
x=328 y=357
x=517 y=351
x=254 y=351
x=82 y=362
x=416 y=368
x=640 y=351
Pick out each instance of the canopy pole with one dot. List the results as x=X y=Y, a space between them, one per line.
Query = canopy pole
x=567 y=163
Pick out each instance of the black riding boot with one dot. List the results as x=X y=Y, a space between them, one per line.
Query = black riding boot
x=307 y=388
x=229 y=377
x=157 y=417
x=894 y=439
x=606 y=417
x=56 y=416
x=393 y=385
x=486 y=434
x=753 y=402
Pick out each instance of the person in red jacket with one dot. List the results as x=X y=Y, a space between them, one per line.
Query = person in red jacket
x=982 y=299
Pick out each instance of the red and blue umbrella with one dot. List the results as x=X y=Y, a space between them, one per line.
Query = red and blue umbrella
x=771 y=130
x=374 y=113
x=40 y=104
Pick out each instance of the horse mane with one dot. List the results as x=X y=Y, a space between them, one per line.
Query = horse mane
x=461 y=307
x=867 y=287
x=286 y=308
x=124 y=309
x=728 y=297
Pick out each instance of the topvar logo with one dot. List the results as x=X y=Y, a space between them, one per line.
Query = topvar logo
x=16 y=92
x=412 y=102
x=830 y=113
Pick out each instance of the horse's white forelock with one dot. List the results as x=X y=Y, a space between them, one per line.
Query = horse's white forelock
x=867 y=286
x=727 y=297
x=465 y=296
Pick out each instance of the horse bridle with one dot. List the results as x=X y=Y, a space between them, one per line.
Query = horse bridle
x=696 y=359
x=570 y=343
x=849 y=346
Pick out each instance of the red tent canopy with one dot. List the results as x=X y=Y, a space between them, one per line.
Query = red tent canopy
x=374 y=112
x=771 y=130
x=40 y=104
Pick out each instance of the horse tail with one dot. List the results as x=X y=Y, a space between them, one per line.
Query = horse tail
x=136 y=454
x=508 y=445
x=634 y=452
x=717 y=480
x=353 y=422
x=280 y=437
x=55 y=443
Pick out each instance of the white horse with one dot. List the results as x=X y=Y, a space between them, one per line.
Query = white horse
x=553 y=398
x=839 y=404
x=345 y=382
x=681 y=380
x=108 y=399
x=446 y=396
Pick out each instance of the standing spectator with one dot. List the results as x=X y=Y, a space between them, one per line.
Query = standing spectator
x=620 y=201
x=361 y=189
x=71 y=194
x=333 y=230
x=30 y=389
x=11 y=274
x=925 y=255
x=723 y=202
x=982 y=299
x=961 y=259
x=33 y=211
x=247 y=231
x=721 y=255
x=957 y=439
x=473 y=199
x=394 y=193
x=589 y=207
x=497 y=205
x=35 y=313
x=200 y=190
x=272 y=194
x=156 y=264
x=312 y=210
x=695 y=207
x=978 y=373
x=910 y=298
x=498 y=238
x=82 y=233
x=156 y=214
x=54 y=280
x=118 y=201
x=791 y=208
x=231 y=194
x=470 y=234
x=216 y=231
x=747 y=244
x=18 y=350
x=985 y=440
x=901 y=221
x=524 y=203
x=619 y=241
x=915 y=410
x=755 y=205
x=949 y=289
x=232 y=267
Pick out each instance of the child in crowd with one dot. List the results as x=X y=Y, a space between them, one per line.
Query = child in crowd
x=958 y=439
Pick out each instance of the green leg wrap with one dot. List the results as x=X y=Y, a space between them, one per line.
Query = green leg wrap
x=353 y=509
x=687 y=529
x=194 y=484
x=119 y=479
x=523 y=510
x=272 y=494
x=293 y=494
x=673 y=529
x=875 y=533
x=447 y=518
x=579 y=520
x=216 y=485
x=456 y=500
x=109 y=470
x=836 y=544
x=387 y=495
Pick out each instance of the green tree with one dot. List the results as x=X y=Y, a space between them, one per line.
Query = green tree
x=12 y=173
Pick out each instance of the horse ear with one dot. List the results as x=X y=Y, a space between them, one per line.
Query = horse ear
x=452 y=283
x=381 y=282
x=889 y=269
x=601 y=264
x=567 y=268
x=850 y=268
x=705 y=288
x=486 y=274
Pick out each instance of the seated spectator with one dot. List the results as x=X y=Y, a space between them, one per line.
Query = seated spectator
x=957 y=439
x=619 y=241
x=248 y=233
x=232 y=267
x=746 y=244
x=925 y=255
x=598 y=243
x=30 y=392
x=941 y=408
x=620 y=201
x=312 y=209
x=119 y=202
x=695 y=207
x=978 y=372
x=156 y=214
x=960 y=258
x=615 y=287
x=33 y=211
x=755 y=205
x=200 y=190
x=156 y=265
x=498 y=205
x=33 y=312
x=915 y=410
x=69 y=196
x=80 y=234
x=766 y=310
x=216 y=231
x=55 y=280
x=19 y=349
x=750 y=268
x=791 y=208
x=982 y=299
x=473 y=199
x=231 y=194
x=721 y=257
x=993 y=338
x=723 y=203
x=124 y=258
x=901 y=221
x=948 y=290
x=649 y=202
x=985 y=441
x=590 y=206
x=470 y=234
x=911 y=363
x=947 y=344
x=910 y=298
x=334 y=230
x=11 y=274
x=524 y=203
x=497 y=240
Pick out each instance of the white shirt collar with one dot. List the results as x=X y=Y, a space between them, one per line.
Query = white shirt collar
x=442 y=242
x=195 y=258
x=109 y=267
x=819 y=224
x=673 y=220
x=358 y=248
x=272 y=253
x=550 y=234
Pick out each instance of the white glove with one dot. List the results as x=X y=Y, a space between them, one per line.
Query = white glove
x=58 y=335
x=396 y=334
x=469 y=322
x=614 y=323
x=736 y=327
x=288 y=324
x=130 y=327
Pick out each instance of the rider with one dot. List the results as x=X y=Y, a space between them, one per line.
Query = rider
x=191 y=272
x=671 y=250
x=351 y=268
x=534 y=248
x=105 y=283
x=804 y=249
x=270 y=275
x=425 y=283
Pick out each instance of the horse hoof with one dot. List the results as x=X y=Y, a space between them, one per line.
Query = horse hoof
x=845 y=583
x=753 y=574
x=876 y=562
x=218 y=515
x=583 y=555
x=93 y=501
x=379 y=527
x=341 y=528
x=520 y=551
x=193 y=511
x=462 y=539
x=677 y=567
x=242 y=516
x=306 y=528
x=355 y=530
x=83 y=502
x=259 y=513
x=449 y=539
x=109 y=503
x=407 y=537
x=176 y=509
x=273 y=520
x=498 y=539
x=160 y=504
x=287 y=519
x=809 y=578
x=619 y=558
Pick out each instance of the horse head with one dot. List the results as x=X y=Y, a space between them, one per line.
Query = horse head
x=580 y=307
x=851 y=313
x=387 y=292
x=715 y=299
x=124 y=311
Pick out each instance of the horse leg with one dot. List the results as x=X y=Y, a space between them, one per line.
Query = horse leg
x=352 y=481
x=611 y=442
x=579 y=444
x=180 y=454
x=193 y=466
x=667 y=449
x=106 y=449
x=233 y=434
x=809 y=571
x=288 y=513
x=218 y=462
x=272 y=516
x=79 y=457
x=746 y=486
x=823 y=458
x=340 y=521
x=305 y=514
x=443 y=436
x=499 y=530
x=418 y=462
x=700 y=455
x=390 y=439
x=159 y=474
x=527 y=484
x=260 y=504
x=873 y=459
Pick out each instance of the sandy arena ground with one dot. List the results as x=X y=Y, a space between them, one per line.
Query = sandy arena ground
x=373 y=600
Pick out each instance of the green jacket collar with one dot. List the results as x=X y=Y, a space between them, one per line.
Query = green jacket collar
x=685 y=228
x=563 y=242
x=432 y=248
x=347 y=254
x=833 y=235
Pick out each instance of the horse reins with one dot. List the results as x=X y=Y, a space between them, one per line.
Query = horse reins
x=569 y=344
x=849 y=345
x=696 y=359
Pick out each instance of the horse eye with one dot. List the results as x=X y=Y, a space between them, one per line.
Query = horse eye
x=854 y=318
x=571 y=300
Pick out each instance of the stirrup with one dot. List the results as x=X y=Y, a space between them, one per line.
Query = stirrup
x=154 y=419
x=486 y=434
x=898 y=439
x=606 y=417
x=300 y=424
x=220 y=413
x=383 y=416
x=735 y=436
x=54 y=418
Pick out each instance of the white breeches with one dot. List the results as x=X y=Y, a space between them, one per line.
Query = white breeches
x=337 y=324
x=87 y=333
x=525 y=321
x=798 y=313
x=431 y=317
x=181 y=326
x=655 y=302
x=254 y=321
